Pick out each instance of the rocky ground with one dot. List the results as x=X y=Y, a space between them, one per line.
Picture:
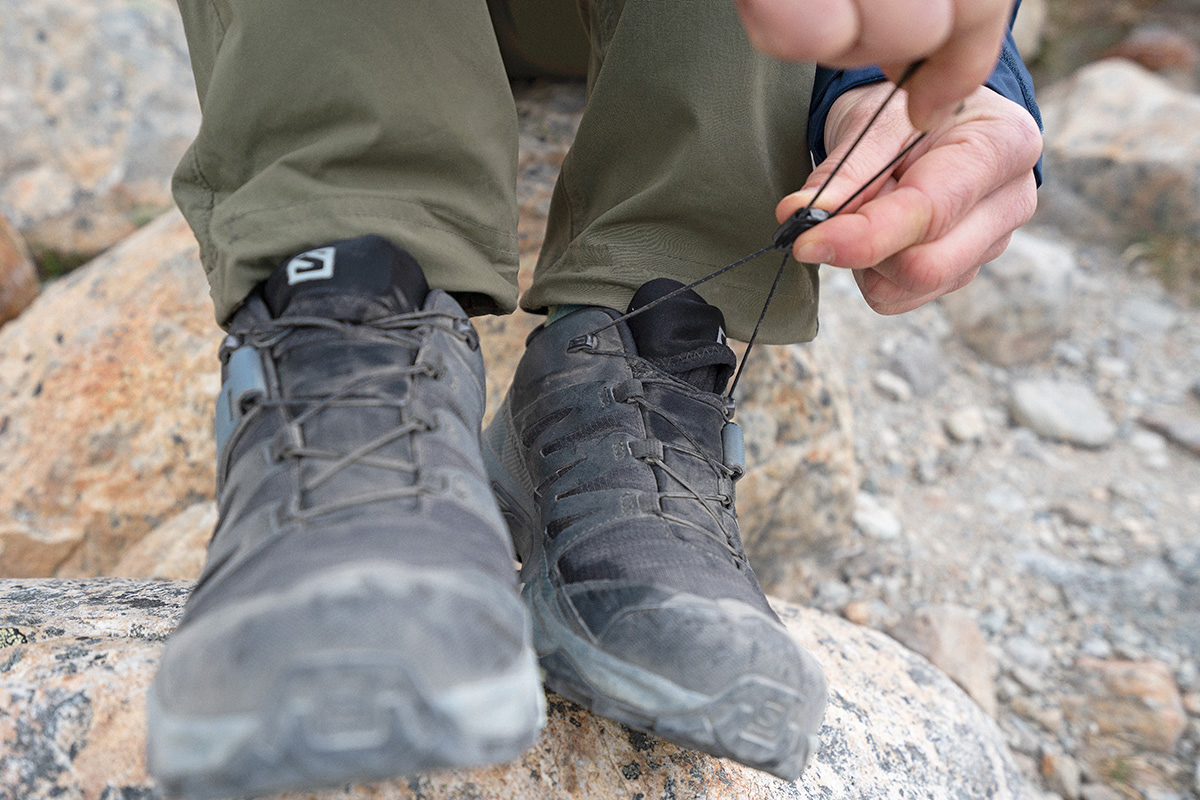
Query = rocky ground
x=1026 y=493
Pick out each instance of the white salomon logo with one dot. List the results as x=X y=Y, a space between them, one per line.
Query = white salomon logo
x=721 y=335
x=315 y=265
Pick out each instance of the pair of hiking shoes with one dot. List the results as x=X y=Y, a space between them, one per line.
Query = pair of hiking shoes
x=360 y=615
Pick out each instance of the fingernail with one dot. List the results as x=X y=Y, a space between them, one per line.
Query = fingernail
x=815 y=253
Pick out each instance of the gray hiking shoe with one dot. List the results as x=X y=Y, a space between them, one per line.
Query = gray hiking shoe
x=608 y=460
x=358 y=616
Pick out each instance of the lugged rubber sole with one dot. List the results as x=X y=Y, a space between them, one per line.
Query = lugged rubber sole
x=755 y=720
x=334 y=716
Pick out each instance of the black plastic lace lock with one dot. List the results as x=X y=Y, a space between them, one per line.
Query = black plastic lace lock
x=799 y=222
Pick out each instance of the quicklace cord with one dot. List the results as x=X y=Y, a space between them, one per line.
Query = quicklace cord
x=761 y=316
x=908 y=73
x=675 y=292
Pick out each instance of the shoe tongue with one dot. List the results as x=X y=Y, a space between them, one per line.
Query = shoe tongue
x=684 y=336
x=352 y=280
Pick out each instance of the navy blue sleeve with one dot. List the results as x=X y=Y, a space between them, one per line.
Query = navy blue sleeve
x=1010 y=79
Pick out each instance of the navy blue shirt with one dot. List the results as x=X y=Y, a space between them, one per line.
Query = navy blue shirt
x=1010 y=79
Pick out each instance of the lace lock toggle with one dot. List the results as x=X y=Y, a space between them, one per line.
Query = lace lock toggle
x=245 y=381
x=733 y=443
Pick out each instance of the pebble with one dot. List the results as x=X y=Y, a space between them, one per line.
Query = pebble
x=1078 y=512
x=1062 y=410
x=857 y=612
x=1177 y=424
x=967 y=424
x=1134 y=705
x=892 y=386
x=1025 y=652
x=948 y=636
x=1062 y=774
x=1006 y=499
x=832 y=595
x=1111 y=367
x=1098 y=791
x=1096 y=647
x=874 y=520
x=1070 y=353
x=920 y=362
x=1149 y=317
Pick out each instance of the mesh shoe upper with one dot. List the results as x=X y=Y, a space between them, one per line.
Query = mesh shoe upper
x=624 y=460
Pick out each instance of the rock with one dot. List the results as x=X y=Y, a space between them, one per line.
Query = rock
x=967 y=424
x=1019 y=304
x=859 y=613
x=796 y=500
x=73 y=721
x=949 y=637
x=1098 y=791
x=874 y=520
x=1062 y=410
x=106 y=395
x=1147 y=317
x=1158 y=49
x=98 y=106
x=920 y=362
x=1128 y=143
x=892 y=386
x=1025 y=652
x=1062 y=773
x=1123 y=709
x=1030 y=27
x=1177 y=424
x=18 y=279
x=173 y=551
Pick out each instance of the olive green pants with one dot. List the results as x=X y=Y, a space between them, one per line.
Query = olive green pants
x=324 y=120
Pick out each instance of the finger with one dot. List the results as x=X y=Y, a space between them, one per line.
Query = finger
x=899 y=31
x=892 y=221
x=935 y=267
x=888 y=136
x=961 y=65
x=935 y=192
x=869 y=281
x=818 y=30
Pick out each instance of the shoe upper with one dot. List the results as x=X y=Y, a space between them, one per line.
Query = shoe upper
x=348 y=428
x=624 y=460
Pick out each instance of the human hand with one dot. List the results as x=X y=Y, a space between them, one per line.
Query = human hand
x=946 y=209
x=959 y=40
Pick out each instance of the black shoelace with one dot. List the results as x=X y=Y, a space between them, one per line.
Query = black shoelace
x=407 y=330
x=802 y=220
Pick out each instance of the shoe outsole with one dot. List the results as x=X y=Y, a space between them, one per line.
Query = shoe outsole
x=342 y=714
x=755 y=720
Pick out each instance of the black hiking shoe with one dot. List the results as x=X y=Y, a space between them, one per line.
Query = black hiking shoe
x=608 y=461
x=358 y=616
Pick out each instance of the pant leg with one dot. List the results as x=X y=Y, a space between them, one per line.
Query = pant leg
x=689 y=140
x=328 y=120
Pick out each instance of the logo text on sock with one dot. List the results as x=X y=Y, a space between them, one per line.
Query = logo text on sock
x=315 y=265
